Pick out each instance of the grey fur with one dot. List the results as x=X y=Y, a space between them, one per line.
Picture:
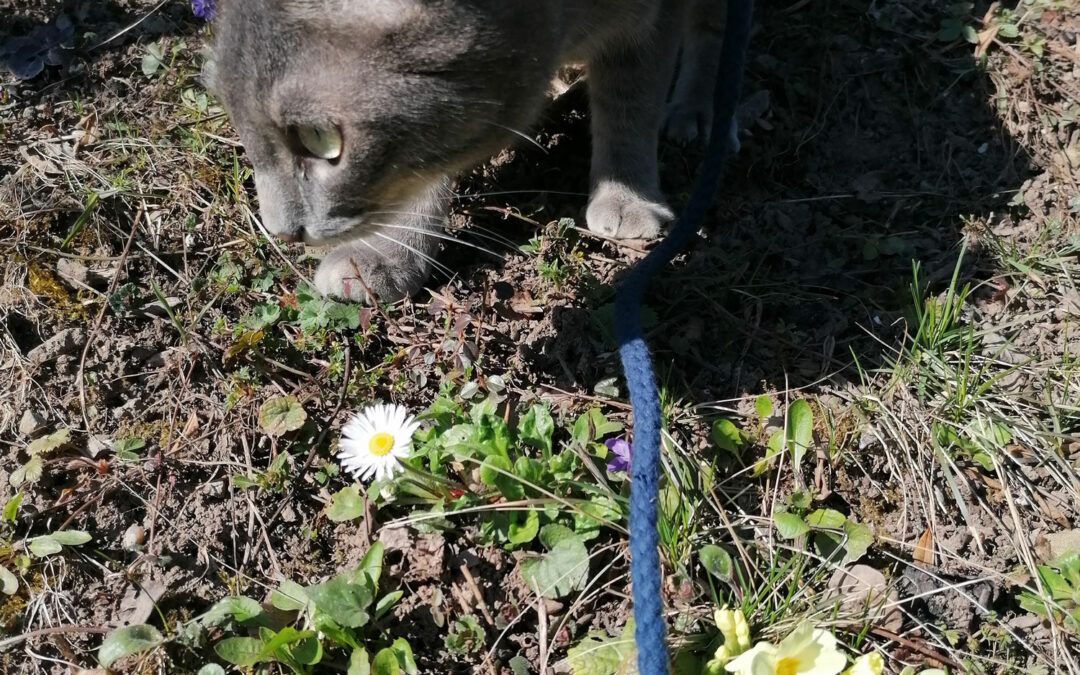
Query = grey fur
x=422 y=89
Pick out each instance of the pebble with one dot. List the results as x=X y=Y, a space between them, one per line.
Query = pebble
x=133 y=537
x=31 y=423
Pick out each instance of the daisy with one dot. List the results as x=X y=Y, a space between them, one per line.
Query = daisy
x=373 y=441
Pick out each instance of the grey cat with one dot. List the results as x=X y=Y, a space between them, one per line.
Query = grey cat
x=357 y=113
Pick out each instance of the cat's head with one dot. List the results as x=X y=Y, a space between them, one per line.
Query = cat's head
x=348 y=109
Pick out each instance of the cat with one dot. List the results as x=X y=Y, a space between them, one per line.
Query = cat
x=356 y=114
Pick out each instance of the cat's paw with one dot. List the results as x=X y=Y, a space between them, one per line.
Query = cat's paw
x=617 y=211
x=350 y=270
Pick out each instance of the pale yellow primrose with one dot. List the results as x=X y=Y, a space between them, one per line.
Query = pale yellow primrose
x=807 y=651
x=867 y=664
x=736 y=632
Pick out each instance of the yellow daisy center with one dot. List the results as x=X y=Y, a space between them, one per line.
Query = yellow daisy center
x=381 y=444
x=787 y=666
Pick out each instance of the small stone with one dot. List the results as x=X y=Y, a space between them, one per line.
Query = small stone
x=31 y=423
x=64 y=342
x=1066 y=541
x=73 y=271
x=133 y=537
x=95 y=445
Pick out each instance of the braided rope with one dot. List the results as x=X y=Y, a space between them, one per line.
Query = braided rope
x=637 y=366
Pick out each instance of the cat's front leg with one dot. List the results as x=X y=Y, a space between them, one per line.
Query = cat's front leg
x=392 y=260
x=627 y=86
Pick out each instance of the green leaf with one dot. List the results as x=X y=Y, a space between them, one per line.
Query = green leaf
x=386 y=603
x=716 y=561
x=243 y=482
x=50 y=442
x=346 y=504
x=289 y=597
x=523 y=527
x=9 y=583
x=279 y=640
x=800 y=431
x=240 y=609
x=599 y=654
x=281 y=415
x=1008 y=30
x=239 y=651
x=343 y=317
x=343 y=600
x=153 y=59
x=359 y=663
x=537 y=427
x=405 y=657
x=497 y=472
x=371 y=565
x=790 y=525
x=125 y=448
x=127 y=641
x=263 y=315
x=859 y=538
x=211 y=669
x=71 y=537
x=564 y=569
x=826 y=518
x=592 y=426
x=44 y=546
x=11 y=508
x=800 y=500
x=727 y=436
x=385 y=663
x=519 y=665
x=764 y=408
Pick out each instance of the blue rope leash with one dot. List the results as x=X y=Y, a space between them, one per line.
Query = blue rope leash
x=637 y=366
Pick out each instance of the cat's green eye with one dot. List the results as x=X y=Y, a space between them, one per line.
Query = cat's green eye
x=323 y=142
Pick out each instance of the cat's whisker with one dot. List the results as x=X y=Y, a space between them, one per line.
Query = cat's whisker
x=497 y=193
x=520 y=134
x=480 y=231
x=434 y=263
x=437 y=235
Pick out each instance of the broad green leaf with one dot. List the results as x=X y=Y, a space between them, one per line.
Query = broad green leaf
x=11 y=508
x=537 y=427
x=764 y=408
x=594 y=514
x=71 y=537
x=519 y=665
x=243 y=482
x=800 y=431
x=308 y=651
x=385 y=663
x=153 y=59
x=343 y=601
x=404 y=653
x=727 y=436
x=332 y=631
x=9 y=583
x=359 y=663
x=281 y=415
x=50 y=442
x=800 y=500
x=211 y=669
x=497 y=472
x=240 y=609
x=27 y=473
x=561 y=571
x=523 y=526
x=371 y=565
x=592 y=426
x=599 y=654
x=1008 y=30
x=346 y=504
x=239 y=651
x=125 y=448
x=716 y=561
x=790 y=525
x=127 y=641
x=859 y=538
x=44 y=546
x=826 y=518
x=289 y=597
x=343 y=317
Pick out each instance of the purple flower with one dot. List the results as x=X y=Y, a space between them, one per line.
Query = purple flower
x=204 y=9
x=622 y=451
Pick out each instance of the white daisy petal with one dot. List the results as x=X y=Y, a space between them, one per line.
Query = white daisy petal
x=374 y=440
